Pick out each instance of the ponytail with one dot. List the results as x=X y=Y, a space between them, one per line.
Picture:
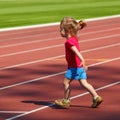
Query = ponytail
x=81 y=24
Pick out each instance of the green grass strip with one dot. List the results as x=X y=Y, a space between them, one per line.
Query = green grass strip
x=29 y=12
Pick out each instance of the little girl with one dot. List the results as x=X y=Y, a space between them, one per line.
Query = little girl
x=69 y=28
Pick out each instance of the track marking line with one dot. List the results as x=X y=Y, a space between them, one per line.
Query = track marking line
x=30 y=42
x=52 y=104
x=32 y=62
x=99 y=38
x=48 y=76
x=13 y=111
x=98 y=48
x=31 y=50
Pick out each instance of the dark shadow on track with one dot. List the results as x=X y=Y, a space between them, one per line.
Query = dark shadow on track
x=51 y=104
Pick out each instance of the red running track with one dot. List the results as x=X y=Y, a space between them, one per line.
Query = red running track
x=32 y=68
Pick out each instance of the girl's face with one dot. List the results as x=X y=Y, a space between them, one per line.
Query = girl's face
x=62 y=32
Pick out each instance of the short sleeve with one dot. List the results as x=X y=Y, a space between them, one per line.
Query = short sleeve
x=71 y=42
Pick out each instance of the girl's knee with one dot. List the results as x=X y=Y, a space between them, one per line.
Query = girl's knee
x=66 y=82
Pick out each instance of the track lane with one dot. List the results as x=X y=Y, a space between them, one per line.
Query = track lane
x=28 y=72
x=32 y=55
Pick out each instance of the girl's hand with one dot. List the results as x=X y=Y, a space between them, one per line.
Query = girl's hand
x=85 y=67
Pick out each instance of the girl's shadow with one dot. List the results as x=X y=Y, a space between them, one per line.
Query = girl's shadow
x=50 y=104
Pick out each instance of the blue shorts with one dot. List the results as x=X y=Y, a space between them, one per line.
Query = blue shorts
x=76 y=73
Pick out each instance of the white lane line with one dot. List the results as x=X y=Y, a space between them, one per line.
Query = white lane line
x=32 y=80
x=32 y=62
x=54 y=46
x=24 y=36
x=98 y=48
x=30 y=42
x=13 y=111
x=52 y=104
x=99 y=38
x=57 y=23
x=51 y=58
x=31 y=50
x=50 y=39
x=48 y=76
x=107 y=61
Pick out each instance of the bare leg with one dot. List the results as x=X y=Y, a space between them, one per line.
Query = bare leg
x=97 y=100
x=66 y=84
x=89 y=87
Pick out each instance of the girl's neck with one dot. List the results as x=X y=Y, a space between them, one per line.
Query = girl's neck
x=69 y=36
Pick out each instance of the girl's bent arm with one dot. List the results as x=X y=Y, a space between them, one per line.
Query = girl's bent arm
x=75 y=50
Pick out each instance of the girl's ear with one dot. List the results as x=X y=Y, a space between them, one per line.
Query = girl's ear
x=81 y=24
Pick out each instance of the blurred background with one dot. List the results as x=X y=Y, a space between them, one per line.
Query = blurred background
x=30 y=12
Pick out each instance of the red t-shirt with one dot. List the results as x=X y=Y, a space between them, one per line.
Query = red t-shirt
x=72 y=59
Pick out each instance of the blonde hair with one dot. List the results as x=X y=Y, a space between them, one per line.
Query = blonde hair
x=69 y=24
